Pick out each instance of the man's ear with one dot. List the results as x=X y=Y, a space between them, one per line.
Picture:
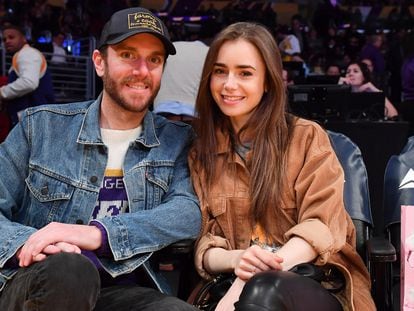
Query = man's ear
x=99 y=63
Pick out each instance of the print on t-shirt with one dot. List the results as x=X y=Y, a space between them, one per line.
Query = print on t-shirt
x=112 y=199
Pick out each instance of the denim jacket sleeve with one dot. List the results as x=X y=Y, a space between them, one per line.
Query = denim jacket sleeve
x=14 y=156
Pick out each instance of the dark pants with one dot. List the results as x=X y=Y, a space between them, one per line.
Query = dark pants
x=71 y=282
x=285 y=291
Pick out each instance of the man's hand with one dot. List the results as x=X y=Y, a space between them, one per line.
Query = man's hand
x=54 y=249
x=58 y=237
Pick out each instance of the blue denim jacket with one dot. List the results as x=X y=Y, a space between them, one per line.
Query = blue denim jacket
x=52 y=165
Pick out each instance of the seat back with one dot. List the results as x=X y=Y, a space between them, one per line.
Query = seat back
x=398 y=190
x=356 y=189
x=398 y=184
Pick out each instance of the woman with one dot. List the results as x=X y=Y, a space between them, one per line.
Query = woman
x=269 y=184
x=359 y=77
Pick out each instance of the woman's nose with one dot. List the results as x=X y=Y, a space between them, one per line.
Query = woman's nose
x=230 y=82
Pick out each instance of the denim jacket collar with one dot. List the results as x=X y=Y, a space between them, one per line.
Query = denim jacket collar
x=148 y=137
x=90 y=130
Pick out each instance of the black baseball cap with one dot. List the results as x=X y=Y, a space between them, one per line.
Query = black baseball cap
x=131 y=21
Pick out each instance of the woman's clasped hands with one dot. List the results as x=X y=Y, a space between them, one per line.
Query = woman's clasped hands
x=256 y=259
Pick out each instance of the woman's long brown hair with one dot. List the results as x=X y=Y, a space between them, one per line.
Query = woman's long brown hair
x=269 y=123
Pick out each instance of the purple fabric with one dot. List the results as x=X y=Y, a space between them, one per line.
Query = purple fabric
x=374 y=54
x=106 y=279
x=104 y=250
x=112 y=199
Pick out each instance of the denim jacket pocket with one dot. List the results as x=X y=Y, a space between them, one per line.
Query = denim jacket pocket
x=158 y=181
x=50 y=197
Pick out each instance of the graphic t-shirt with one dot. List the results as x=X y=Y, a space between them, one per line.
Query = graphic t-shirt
x=112 y=199
x=260 y=238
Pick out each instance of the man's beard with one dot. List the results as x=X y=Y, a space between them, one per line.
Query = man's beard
x=112 y=89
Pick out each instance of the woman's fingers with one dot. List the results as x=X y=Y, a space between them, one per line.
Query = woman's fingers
x=256 y=259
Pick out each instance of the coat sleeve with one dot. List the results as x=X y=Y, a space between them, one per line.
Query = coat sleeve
x=318 y=190
x=206 y=239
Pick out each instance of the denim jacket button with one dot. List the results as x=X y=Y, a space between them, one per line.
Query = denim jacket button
x=93 y=179
x=44 y=190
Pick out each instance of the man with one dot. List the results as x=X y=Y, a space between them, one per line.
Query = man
x=288 y=43
x=333 y=69
x=29 y=81
x=59 y=53
x=372 y=50
x=105 y=180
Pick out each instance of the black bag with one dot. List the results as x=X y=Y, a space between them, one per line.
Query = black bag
x=329 y=276
x=210 y=294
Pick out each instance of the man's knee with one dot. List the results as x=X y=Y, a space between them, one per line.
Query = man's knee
x=63 y=281
x=72 y=268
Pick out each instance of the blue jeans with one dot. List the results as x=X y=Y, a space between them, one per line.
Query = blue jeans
x=69 y=282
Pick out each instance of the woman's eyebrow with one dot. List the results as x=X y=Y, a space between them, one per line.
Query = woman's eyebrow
x=238 y=66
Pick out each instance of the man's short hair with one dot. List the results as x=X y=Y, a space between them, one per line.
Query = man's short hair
x=15 y=27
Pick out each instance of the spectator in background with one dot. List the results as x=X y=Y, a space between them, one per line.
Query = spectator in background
x=179 y=84
x=372 y=51
x=287 y=77
x=333 y=70
x=298 y=29
x=315 y=44
x=288 y=43
x=59 y=53
x=380 y=80
x=369 y=64
x=405 y=18
x=29 y=81
x=359 y=78
x=352 y=46
x=333 y=47
x=58 y=63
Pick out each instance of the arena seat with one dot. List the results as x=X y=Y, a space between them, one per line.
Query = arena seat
x=377 y=252
x=398 y=190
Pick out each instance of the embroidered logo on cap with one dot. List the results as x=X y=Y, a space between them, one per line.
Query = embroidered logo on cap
x=144 y=20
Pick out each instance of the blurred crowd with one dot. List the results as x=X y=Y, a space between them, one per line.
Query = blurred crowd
x=331 y=32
